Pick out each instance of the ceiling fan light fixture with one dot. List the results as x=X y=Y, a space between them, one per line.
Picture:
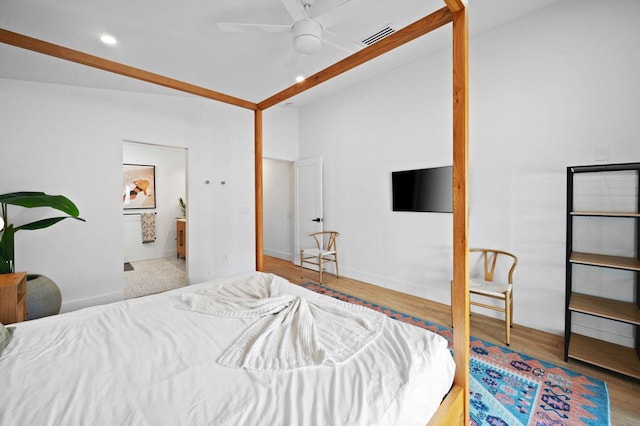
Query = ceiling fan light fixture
x=108 y=39
x=307 y=37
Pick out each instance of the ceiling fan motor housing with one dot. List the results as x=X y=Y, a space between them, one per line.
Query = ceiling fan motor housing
x=307 y=36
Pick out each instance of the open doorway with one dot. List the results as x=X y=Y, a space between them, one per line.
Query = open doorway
x=278 y=208
x=292 y=206
x=151 y=234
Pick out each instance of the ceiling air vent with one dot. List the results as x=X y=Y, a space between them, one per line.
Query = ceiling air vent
x=378 y=36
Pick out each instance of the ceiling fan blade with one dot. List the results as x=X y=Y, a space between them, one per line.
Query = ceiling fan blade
x=339 y=42
x=295 y=9
x=231 y=27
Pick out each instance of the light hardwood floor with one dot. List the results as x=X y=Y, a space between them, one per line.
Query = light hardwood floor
x=624 y=393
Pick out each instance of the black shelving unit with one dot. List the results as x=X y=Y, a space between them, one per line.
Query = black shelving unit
x=599 y=352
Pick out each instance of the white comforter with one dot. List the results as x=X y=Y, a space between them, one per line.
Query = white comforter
x=144 y=362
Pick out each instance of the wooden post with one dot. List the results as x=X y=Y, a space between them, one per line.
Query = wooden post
x=460 y=288
x=258 y=190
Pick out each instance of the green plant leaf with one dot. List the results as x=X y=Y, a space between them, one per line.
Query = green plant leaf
x=40 y=199
x=29 y=199
x=5 y=266
x=45 y=223
x=7 y=250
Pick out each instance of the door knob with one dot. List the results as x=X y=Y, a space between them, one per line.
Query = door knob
x=317 y=219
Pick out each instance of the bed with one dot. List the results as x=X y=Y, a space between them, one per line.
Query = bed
x=164 y=359
x=455 y=407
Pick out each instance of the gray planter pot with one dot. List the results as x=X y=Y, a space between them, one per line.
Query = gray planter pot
x=43 y=297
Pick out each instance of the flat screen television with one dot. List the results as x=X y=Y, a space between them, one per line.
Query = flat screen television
x=423 y=190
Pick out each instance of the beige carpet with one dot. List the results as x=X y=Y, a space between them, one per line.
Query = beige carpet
x=154 y=276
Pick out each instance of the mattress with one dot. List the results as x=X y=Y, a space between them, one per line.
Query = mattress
x=146 y=362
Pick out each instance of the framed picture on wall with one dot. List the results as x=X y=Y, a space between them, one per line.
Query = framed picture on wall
x=138 y=186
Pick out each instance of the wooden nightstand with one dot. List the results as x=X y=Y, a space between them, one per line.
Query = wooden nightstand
x=13 y=297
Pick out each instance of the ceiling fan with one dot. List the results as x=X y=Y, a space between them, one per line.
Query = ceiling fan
x=308 y=33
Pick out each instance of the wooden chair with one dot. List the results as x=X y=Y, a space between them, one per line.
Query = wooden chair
x=487 y=287
x=326 y=250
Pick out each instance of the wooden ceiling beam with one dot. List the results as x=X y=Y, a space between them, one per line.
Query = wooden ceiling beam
x=40 y=46
x=419 y=28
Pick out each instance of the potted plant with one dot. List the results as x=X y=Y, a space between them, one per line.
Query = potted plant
x=7 y=254
x=183 y=206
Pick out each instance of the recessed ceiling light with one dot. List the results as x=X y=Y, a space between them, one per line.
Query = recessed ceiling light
x=300 y=78
x=108 y=39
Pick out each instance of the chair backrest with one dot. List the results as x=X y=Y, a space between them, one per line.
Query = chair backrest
x=325 y=240
x=490 y=259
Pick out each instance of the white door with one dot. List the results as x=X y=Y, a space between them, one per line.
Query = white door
x=307 y=203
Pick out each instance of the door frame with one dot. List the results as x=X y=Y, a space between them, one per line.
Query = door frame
x=185 y=150
x=296 y=199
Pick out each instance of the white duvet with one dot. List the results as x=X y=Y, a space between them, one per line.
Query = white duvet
x=144 y=362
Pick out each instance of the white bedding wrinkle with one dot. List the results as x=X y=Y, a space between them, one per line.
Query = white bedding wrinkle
x=142 y=362
x=247 y=298
x=291 y=331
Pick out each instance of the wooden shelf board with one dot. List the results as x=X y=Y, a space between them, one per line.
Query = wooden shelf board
x=618 y=262
x=603 y=354
x=605 y=308
x=606 y=214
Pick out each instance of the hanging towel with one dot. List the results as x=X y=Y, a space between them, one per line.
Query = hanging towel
x=148 y=223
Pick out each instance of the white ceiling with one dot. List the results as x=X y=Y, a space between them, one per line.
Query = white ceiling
x=180 y=39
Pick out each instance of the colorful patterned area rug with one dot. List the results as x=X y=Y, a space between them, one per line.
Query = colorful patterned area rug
x=511 y=388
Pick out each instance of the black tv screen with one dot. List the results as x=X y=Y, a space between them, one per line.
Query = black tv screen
x=423 y=190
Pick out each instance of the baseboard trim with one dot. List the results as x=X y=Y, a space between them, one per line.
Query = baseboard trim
x=443 y=295
x=74 y=305
x=426 y=292
x=279 y=254
x=139 y=257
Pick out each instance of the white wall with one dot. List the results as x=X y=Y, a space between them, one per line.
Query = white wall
x=280 y=133
x=68 y=140
x=546 y=90
x=170 y=184
x=376 y=129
